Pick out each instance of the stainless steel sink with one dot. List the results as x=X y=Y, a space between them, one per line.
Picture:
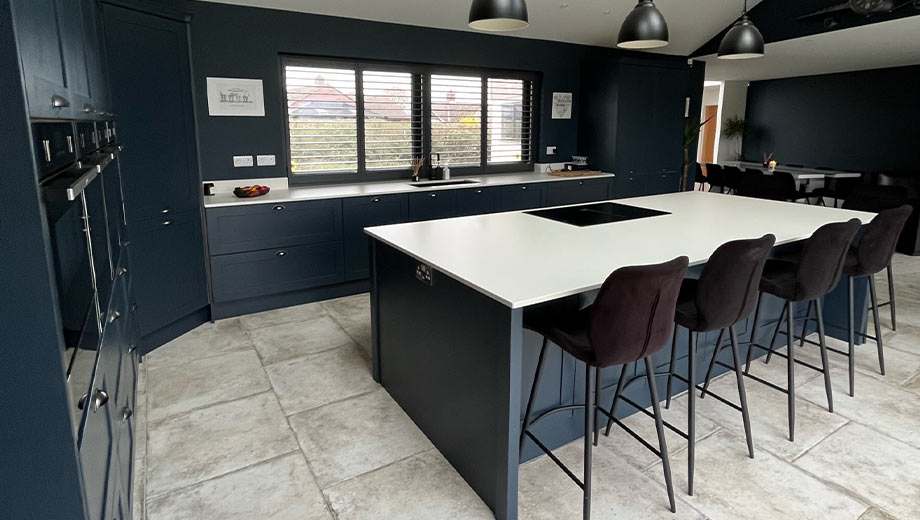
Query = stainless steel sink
x=433 y=184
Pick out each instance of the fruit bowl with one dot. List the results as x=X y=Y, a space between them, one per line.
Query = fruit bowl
x=255 y=190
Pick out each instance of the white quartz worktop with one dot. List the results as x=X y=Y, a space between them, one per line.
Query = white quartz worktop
x=520 y=259
x=297 y=193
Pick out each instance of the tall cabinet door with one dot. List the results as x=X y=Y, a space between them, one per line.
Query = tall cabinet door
x=42 y=57
x=150 y=80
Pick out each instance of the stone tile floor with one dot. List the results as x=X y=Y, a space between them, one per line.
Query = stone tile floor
x=275 y=416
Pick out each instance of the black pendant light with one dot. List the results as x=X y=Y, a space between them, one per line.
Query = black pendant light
x=644 y=28
x=743 y=40
x=498 y=15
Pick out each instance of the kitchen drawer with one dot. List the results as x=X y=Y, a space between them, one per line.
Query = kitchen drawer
x=478 y=201
x=262 y=226
x=55 y=146
x=362 y=212
x=628 y=185
x=273 y=271
x=431 y=205
x=87 y=139
x=523 y=196
x=577 y=191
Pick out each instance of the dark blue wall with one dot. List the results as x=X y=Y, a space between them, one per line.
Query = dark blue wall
x=244 y=42
x=865 y=120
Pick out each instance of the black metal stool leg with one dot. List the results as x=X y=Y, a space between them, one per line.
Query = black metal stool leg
x=597 y=397
x=894 y=321
x=667 y=403
x=782 y=316
x=659 y=427
x=851 y=346
x=712 y=364
x=878 y=326
x=824 y=364
x=691 y=414
x=533 y=396
x=590 y=374
x=616 y=397
x=750 y=352
x=745 y=417
x=805 y=325
x=790 y=369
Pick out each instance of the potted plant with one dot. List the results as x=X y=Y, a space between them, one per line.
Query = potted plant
x=691 y=132
x=733 y=130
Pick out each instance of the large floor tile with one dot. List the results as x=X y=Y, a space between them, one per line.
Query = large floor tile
x=353 y=314
x=140 y=425
x=913 y=384
x=630 y=450
x=196 y=446
x=876 y=514
x=357 y=435
x=280 y=489
x=179 y=388
x=729 y=486
x=769 y=417
x=138 y=491
x=297 y=338
x=883 y=407
x=879 y=469
x=906 y=338
x=424 y=486
x=618 y=490
x=209 y=339
x=899 y=364
x=310 y=381
x=273 y=317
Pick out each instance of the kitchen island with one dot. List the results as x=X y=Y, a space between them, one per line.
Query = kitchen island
x=448 y=300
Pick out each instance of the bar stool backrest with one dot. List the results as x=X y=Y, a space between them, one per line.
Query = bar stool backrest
x=715 y=176
x=822 y=257
x=633 y=313
x=879 y=238
x=727 y=288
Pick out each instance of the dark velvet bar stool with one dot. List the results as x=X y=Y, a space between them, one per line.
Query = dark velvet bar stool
x=724 y=294
x=630 y=320
x=814 y=272
x=868 y=257
x=715 y=176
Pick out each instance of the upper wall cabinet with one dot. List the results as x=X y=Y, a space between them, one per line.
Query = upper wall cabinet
x=59 y=49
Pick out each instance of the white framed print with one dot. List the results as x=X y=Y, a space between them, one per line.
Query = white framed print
x=562 y=105
x=235 y=97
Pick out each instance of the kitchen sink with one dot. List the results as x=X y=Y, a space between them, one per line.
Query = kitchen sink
x=433 y=184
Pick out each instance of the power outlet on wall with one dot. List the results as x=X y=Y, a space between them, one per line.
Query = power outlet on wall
x=242 y=161
x=265 y=160
x=550 y=150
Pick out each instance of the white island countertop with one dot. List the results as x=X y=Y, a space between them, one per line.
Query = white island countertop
x=359 y=189
x=520 y=259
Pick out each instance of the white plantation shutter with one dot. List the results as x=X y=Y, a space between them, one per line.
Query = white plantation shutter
x=510 y=120
x=456 y=119
x=392 y=119
x=322 y=119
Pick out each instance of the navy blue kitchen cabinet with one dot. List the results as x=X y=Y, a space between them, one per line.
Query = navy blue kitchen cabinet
x=361 y=212
x=432 y=205
x=261 y=226
x=169 y=269
x=42 y=57
x=662 y=182
x=577 y=191
x=523 y=196
x=479 y=201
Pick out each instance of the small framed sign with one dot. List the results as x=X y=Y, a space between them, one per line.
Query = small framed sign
x=562 y=105
x=235 y=97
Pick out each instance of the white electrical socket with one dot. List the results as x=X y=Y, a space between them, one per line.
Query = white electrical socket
x=242 y=161
x=550 y=150
x=265 y=160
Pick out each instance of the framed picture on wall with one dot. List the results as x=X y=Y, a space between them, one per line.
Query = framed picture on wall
x=235 y=97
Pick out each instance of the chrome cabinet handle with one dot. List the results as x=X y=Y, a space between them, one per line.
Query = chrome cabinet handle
x=478 y=191
x=376 y=199
x=69 y=144
x=281 y=252
x=100 y=398
x=581 y=183
x=523 y=187
x=121 y=271
x=279 y=207
x=433 y=195
x=59 y=101
x=131 y=348
x=167 y=222
x=46 y=145
x=87 y=107
x=126 y=414
x=82 y=402
x=164 y=211
x=82 y=140
x=114 y=315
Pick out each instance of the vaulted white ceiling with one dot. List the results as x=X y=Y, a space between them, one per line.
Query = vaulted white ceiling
x=592 y=22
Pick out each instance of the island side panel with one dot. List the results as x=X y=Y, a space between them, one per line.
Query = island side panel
x=451 y=357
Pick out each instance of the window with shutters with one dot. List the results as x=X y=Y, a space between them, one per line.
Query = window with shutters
x=351 y=120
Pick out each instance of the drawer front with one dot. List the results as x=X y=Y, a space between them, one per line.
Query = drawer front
x=577 y=191
x=363 y=212
x=55 y=146
x=524 y=196
x=273 y=271
x=264 y=226
x=478 y=201
x=662 y=182
x=630 y=185
x=432 y=205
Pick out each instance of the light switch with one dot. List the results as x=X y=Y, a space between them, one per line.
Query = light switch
x=550 y=150
x=242 y=161
x=265 y=160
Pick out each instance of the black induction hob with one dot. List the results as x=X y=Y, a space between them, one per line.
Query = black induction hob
x=594 y=214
